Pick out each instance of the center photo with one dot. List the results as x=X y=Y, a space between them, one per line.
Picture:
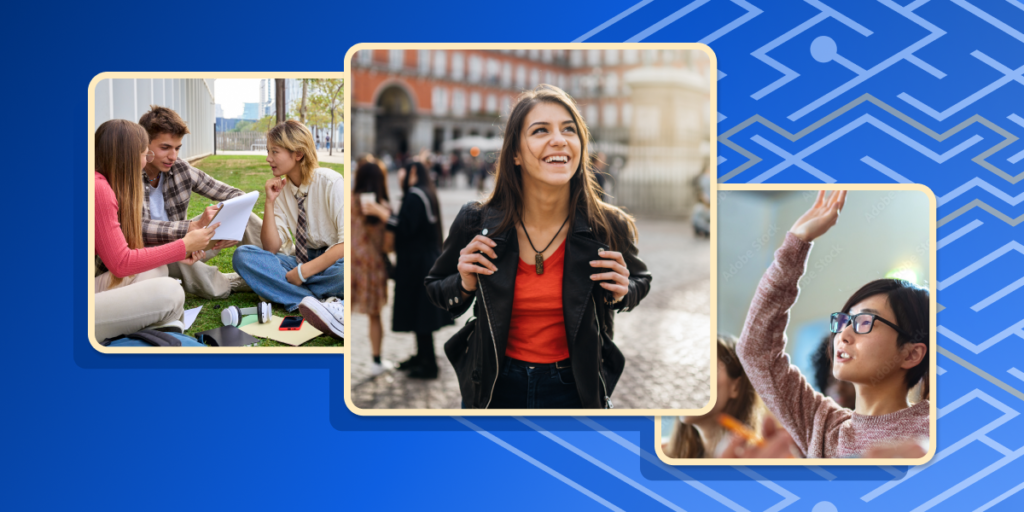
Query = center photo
x=531 y=229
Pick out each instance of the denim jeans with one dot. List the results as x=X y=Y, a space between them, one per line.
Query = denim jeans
x=523 y=385
x=264 y=272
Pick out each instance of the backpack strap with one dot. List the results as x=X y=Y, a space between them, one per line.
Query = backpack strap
x=148 y=336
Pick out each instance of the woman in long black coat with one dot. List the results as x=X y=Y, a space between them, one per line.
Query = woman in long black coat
x=417 y=229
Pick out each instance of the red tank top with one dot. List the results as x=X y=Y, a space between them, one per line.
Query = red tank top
x=537 y=331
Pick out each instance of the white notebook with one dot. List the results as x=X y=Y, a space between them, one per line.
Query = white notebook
x=234 y=216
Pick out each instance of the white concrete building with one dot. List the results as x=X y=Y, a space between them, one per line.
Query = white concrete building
x=191 y=98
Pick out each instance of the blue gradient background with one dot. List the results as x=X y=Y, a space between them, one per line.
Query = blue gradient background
x=82 y=429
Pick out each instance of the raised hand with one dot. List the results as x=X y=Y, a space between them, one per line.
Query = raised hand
x=472 y=261
x=822 y=216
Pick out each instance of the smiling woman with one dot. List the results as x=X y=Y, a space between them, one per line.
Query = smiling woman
x=542 y=336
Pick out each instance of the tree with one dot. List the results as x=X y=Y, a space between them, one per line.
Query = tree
x=263 y=125
x=302 y=106
x=279 y=99
x=331 y=95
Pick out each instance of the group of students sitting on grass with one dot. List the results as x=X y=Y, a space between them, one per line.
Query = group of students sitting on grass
x=878 y=345
x=149 y=253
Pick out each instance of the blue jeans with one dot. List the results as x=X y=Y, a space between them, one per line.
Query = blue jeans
x=264 y=272
x=523 y=385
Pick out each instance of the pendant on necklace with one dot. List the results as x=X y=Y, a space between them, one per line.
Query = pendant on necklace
x=540 y=263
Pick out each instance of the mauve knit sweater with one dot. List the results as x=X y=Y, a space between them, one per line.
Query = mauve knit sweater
x=819 y=426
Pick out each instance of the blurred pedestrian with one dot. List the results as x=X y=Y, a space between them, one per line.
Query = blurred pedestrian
x=703 y=436
x=369 y=276
x=417 y=229
x=542 y=336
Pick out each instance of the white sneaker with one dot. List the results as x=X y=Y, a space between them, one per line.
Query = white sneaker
x=377 y=369
x=172 y=326
x=237 y=283
x=327 y=316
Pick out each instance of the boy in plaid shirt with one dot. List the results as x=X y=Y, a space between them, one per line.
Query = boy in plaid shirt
x=170 y=182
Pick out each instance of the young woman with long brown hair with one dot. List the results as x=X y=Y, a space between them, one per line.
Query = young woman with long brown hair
x=132 y=287
x=698 y=437
x=547 y=264
x=369 y=275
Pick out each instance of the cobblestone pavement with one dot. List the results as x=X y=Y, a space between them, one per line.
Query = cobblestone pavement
x=665 y=339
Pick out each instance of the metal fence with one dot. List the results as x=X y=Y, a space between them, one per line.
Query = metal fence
x=654 y=180
x=241 y=141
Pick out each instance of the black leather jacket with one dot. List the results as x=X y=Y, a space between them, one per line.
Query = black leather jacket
x=478 y=350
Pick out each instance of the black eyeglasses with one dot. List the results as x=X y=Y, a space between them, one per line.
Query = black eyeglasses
x=862 y=323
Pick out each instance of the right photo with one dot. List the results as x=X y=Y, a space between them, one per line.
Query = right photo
x=825 y=329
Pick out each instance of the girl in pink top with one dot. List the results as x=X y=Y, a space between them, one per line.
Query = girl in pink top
x=121 y=152
x=879 y=343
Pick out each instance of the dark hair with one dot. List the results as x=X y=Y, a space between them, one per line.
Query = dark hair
x=163 y=120
x=424 y=181
x=686 y=441
x=910 y=306
x=370 y=177
x=822 y=362
x=584 y=192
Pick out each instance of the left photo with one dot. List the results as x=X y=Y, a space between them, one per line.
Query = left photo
x=217 y=212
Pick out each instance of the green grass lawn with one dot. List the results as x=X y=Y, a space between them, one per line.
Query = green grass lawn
x=248 y=173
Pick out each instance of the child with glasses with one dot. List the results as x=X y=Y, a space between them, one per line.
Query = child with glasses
x=879 y=343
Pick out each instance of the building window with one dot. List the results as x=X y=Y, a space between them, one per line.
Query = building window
x=439 y=100
x=610 y=116
x=631 y=57
x=520 y=53
x=611 y=84
x=549 y=78
x=650 y=57
x=506 y=105
x=424 y=62
x=575 y=58
x=493 y=71
x=475 y=102
x=611 y=57
x=590 y=114
x=458 y=67
x=627 y=114
x=492 y=103
x=593 y=57
x=534 y=54
x=476 y=69
x=561 y=81
x=506 y=75
x=575 y=86
x=458 y=102
x=545 y=56
x=521 y=77
x=534 y=78
x=396 y=59
x=440 y=63
x=364 y=57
